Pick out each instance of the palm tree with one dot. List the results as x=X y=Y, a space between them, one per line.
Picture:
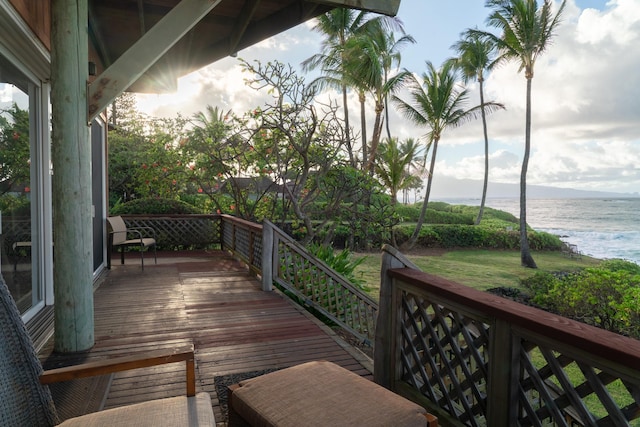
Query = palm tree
x=372 y=56
x=475 y=55
x=414 y=169
x=526 y=33
x=392 y=165
x=437 y=102
x=337 y=26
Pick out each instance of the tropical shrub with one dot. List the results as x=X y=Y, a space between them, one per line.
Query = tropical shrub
x=341 y=262
x=607 y=296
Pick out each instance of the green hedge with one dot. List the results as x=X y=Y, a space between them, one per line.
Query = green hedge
x=154 y=206
x=436 y=214
x=470 y=236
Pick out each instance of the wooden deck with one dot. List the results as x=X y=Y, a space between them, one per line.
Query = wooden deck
x=211 y=302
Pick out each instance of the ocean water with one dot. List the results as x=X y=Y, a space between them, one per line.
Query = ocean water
x=602 y=228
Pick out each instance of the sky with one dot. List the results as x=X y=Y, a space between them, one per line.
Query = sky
x=585 y=95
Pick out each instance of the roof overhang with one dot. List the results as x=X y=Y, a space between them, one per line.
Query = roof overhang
x=232 y=25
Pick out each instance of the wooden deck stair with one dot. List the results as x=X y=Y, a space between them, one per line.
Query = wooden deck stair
x=212 y=302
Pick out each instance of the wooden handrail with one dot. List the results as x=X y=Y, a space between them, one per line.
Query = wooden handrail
x=589 y=339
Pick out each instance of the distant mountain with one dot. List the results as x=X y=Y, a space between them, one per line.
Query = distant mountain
x=451 y=188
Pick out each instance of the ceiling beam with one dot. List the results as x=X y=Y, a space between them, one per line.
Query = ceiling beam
x=98 y=40
x=145 y=52
x=257 y=31
x=143 y=27
x=386 y=7
x=248 y=11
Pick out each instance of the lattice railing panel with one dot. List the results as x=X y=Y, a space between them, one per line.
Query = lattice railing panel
x=480 y=360
x=184 y=231
x=444 y=355
x=556 y=389
x=322 y=288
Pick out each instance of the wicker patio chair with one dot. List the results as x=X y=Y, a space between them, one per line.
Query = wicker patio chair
x=25 y=399
x=121 y=236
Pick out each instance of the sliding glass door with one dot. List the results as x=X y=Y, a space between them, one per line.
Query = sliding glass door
x=20 y=185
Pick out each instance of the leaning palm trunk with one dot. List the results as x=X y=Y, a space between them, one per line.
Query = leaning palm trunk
x=423 y=212
x=525 y=253
x=363 y=127
x=347 y=130
x=486 y=155
x=375 y=139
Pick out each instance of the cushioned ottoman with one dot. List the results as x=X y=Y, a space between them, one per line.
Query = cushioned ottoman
x=320 y=394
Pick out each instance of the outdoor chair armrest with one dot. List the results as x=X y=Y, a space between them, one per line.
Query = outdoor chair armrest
x=125 y=363
x=138 y=230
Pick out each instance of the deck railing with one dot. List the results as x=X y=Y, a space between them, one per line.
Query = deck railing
x=272 y=254
x=244 y=239
x=320 y=287
x=476 y=359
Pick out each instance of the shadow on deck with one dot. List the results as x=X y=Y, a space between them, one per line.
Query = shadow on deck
x=210 y=301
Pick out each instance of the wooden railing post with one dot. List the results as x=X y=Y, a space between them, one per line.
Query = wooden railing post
x=267 y=256
x=385 y=365
x=251 y=247
x=221 y=237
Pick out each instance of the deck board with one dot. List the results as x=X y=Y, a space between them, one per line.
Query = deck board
x=214 y=304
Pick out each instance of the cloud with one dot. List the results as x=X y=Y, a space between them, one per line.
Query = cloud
x=585 y=99
x=585 y=102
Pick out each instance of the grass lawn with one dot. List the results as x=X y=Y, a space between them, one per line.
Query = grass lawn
x=477 y=268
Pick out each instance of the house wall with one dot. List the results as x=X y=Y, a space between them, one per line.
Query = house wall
x=37 y=15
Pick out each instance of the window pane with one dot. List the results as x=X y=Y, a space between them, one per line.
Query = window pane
x=18 y=243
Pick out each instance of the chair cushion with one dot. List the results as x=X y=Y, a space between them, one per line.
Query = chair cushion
x=321 y=394
x=170 y=412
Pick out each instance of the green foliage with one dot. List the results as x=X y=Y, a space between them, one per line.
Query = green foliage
x=621 y=265
x=542 y=241
x=539 y=285
x=145 y=157
x=155 y=206
x=437 y=213
x=15 y=205
x=607 y=296
x=473 y=236
x=342 y=262
x=15 y=157
x=407 y=213
x=201 y=202
x=451 y=226
x=440 y=217
x=498 y=215
x=438 y=206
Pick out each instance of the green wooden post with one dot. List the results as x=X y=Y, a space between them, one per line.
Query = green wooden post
x=71 y=157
